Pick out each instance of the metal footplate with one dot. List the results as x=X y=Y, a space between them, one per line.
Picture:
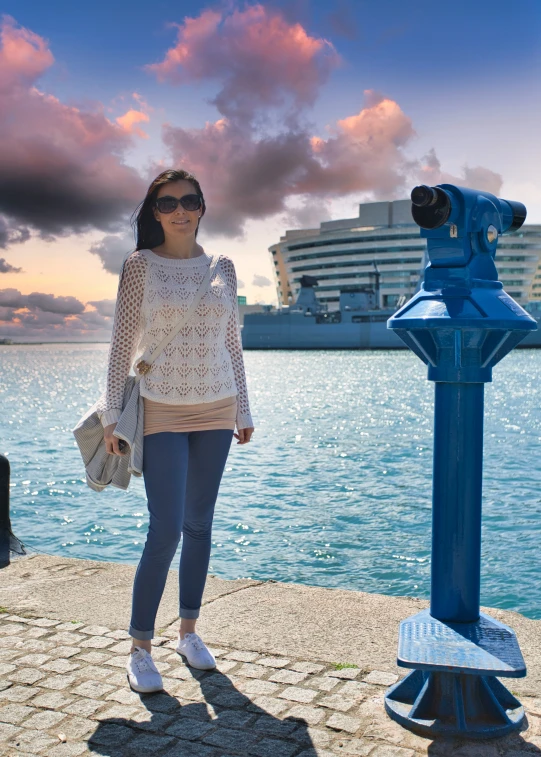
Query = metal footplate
x=453 y=690
x=486 y=647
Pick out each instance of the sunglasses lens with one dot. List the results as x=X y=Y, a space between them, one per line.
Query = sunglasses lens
x=166 y=204
x=190 y=202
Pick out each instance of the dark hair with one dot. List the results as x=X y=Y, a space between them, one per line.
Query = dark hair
x=149 y=231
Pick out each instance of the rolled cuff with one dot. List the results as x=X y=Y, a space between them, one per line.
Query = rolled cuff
x=141 y=635
x=188 y=614
x=110 y=416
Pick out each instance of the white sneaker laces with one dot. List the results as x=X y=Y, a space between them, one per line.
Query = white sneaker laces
x=194 y=639
x=145 y=662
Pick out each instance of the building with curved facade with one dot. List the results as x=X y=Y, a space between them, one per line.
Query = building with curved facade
x=346 y=255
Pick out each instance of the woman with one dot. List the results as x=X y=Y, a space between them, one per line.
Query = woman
x=194 y=393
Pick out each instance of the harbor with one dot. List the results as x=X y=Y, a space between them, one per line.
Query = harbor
x=270 y=331
x=461 y=324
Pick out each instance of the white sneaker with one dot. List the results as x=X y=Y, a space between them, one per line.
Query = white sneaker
x=193 y=648
x=143 y=675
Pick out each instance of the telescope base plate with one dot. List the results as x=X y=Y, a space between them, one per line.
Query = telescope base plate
x=454 y=705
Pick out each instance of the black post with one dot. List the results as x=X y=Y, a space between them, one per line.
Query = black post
x=8 y=541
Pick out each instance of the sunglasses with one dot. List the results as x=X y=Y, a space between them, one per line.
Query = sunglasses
x=168 y=204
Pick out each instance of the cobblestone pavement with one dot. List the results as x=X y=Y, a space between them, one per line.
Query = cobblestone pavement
x=64 y=692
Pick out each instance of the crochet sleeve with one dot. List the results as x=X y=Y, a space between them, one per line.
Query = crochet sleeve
x=233 y=343
x=127 y=327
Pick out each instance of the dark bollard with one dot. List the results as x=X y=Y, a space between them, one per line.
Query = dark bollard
x=461 y=323
x=8 y=541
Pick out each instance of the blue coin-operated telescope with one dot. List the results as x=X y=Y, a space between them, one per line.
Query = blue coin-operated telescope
x=461 y=323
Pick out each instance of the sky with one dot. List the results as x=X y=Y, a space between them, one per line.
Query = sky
x=288 y=112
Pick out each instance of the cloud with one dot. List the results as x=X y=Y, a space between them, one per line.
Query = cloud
x=263 y=61
x=261 y=281
x=104 y=307
x=475 y=178
x=12 y=298
x=309 y=215
x=112 y=250
x=49 y=318
x=6 y=267
x=6 y=314
x=23 y=56
x=258 y=57
x=53 y=327
x=129 y=120
x=48 y=303
x=10 y=236
x=51 y=304
x=248 y=177
x=62 y=169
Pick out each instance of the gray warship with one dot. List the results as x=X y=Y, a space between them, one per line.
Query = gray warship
x=359 y=324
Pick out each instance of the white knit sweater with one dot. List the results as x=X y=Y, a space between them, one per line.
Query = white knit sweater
x=204 y=361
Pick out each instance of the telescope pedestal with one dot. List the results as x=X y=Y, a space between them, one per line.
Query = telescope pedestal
x=461 y=324
x=453 y=690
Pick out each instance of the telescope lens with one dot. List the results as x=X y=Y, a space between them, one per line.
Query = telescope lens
x=423 y=196
x=519 y=214
x=431 y=206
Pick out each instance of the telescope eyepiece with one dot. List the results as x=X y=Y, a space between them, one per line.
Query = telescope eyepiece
x=431 y=206
x=422 y=196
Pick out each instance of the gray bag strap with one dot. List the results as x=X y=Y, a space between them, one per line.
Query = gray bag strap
x=195 y=302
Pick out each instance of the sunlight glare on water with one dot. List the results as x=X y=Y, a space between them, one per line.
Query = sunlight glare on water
x=333 y=490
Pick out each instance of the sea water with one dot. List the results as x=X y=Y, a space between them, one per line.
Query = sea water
x=333 y=490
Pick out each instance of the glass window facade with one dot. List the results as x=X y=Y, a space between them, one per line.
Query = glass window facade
x=345 y=255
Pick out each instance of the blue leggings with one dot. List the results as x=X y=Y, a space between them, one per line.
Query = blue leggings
x=182 y=473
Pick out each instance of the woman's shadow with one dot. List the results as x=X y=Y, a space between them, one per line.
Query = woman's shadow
x=514 y=744
x=236 y=726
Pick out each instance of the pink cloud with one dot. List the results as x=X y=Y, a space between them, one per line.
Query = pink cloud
x=24 y=56
x=244 y=176
x=258 y=57
x=129 y=122
x=61 y=167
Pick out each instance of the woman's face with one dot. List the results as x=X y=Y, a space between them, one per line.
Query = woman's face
x=180 y=222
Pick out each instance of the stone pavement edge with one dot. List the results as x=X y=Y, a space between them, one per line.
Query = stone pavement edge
x=301 y=670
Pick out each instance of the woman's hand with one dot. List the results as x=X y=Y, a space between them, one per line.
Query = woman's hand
x=244 y=434
x=111 y=442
